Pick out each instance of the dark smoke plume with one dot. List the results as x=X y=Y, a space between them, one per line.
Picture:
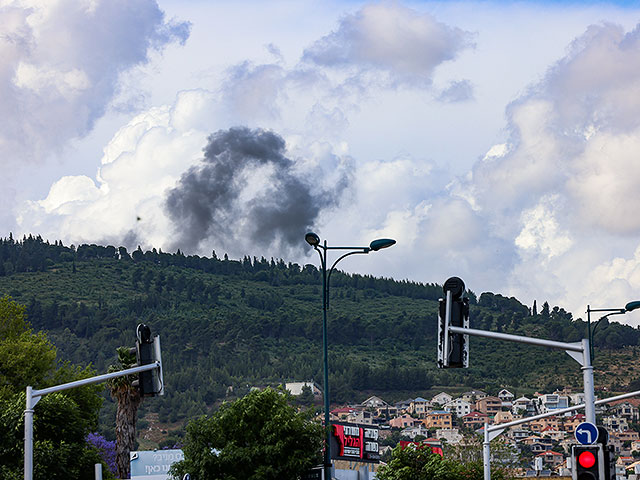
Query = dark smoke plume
x=211 y=200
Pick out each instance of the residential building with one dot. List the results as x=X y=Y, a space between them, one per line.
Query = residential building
x=441 y=399
x=404 y=405
x=576 y=398
x=360 y=416
x=341 y=414
x=507 y=397
x=551 y=401
x=553 y=433
x=419 y=407
x=518 y=433
x=451 y=435
x=438 y=419
x=472 y=396
x=627 y=409
x=524 y=406
x=413 y=432
x=374 y=402
x=503 y=417
x=614 y=423
x=387 y=412
x=571 y=423
x=542 y=423
x=403 y=421
x=625 y=461
x=475 y=420
x=551 y=458
x=489 y=405
x=628 y=436
x=458 y=407
x=295 y=388
x=539 y=447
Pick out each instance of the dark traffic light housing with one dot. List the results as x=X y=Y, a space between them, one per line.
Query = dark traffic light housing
x=588 y=462
x=457 y=344
x=150 y=383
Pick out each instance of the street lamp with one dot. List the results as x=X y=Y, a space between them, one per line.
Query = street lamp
x=613 y=311
x=314 y=240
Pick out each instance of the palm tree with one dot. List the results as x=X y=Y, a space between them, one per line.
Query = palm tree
x=128 y=399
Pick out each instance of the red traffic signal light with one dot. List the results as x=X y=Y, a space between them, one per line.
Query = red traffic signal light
x=586 y=459
x=588 y=462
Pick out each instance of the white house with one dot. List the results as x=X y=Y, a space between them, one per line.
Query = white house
x=295 y=388
x=441 y=398
x=525 y=405
x=374 y=402
x=451 y=435
x=552 y=401
x=412 y=432
x=458 y=407
x=507 y=397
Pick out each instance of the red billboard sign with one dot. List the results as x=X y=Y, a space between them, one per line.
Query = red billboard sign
x=354 y=442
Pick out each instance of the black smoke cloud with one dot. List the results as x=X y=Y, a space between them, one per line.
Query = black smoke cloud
x=215 y=202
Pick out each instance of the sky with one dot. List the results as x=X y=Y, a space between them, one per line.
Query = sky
x=494 y=141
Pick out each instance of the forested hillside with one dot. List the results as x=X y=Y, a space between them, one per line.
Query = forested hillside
x=227 y=325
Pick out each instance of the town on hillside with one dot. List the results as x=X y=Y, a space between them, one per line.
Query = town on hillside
x=540 y=447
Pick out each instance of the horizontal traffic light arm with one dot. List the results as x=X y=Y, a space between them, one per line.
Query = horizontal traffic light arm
x=573 y=347
x=92 y=380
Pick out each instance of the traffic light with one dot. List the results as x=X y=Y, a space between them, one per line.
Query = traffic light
x=588 y=462
x=150 y=383
x=608 y=454
x=453 y=348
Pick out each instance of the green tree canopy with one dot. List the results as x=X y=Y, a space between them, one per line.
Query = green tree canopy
x=258 y=437
x=25 y=358
x=61 y=420
x=416 y=463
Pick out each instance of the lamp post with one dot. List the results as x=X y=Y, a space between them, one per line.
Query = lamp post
x=612 y=311
x=314 y=240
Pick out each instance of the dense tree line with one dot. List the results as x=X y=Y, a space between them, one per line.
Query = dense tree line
x=227 y=325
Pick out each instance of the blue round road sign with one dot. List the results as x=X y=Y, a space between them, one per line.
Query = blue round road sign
x=586 y=433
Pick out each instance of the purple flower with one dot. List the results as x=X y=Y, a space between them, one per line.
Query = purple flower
x=106 y=448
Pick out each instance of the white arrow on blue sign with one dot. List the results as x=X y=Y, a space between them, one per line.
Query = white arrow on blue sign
x=586 y=433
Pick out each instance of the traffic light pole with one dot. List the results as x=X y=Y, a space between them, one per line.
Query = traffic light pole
x=34 y=396
x=578 y=351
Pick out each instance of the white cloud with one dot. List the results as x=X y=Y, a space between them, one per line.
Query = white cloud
x=59 y=66
x=390 y=38
x=541 y=232
x=547 y=213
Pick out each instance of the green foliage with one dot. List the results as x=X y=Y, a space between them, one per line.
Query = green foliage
x=258 y=322
x=25 y=358
x=417 y=463
x=61 y=420
x=258 y=437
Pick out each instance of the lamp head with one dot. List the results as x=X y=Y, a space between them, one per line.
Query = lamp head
x=312 y=239
x=632 y=306
x=381 y=243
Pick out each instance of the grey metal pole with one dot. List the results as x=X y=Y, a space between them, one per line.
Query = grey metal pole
x=325 y=351
x=33 y=396
x=98 y=471
x=28 y=436
x=486 y=453
x=587 y=375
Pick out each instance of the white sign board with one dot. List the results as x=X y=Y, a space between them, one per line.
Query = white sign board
x=153 y=465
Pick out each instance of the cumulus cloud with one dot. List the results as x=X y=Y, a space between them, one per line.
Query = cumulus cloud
x=564 y=188
x=245 y=193
x=117 y=206
x=59 y=65
x=392 y=39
